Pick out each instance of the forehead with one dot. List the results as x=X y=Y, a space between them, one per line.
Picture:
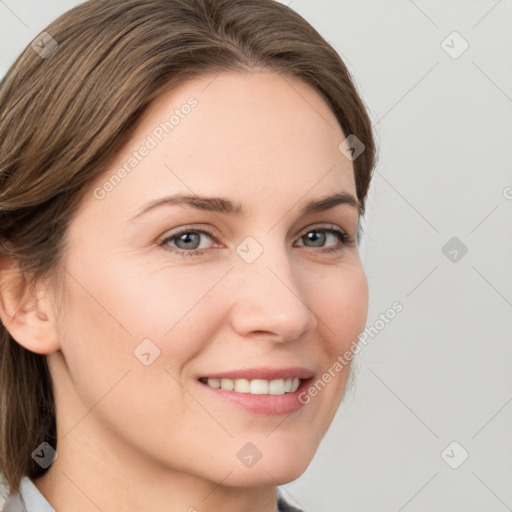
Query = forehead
x=244 y=135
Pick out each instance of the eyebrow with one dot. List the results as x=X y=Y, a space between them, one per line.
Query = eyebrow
x=228 y=207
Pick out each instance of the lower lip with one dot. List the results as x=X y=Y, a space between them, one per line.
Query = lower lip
x=266 y=405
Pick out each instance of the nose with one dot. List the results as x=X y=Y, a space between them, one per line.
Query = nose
x=268 y=299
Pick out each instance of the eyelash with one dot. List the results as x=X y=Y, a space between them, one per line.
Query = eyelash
x=344 y=238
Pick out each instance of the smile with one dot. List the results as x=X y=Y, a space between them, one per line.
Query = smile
x=255 y=386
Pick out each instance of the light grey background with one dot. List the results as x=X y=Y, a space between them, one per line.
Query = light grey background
x=440 y=371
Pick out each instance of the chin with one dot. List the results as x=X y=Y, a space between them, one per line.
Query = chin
x=277 y=466
x=265 y=475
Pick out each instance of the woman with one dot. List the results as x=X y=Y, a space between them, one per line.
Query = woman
x=181 y=184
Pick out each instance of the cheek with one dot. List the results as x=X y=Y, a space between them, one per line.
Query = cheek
x=342 y=305
x=107 y=318
x=146 y=300
x=95 y=341
x=112 y=308
x=340 y=301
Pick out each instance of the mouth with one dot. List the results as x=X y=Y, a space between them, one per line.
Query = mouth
x=262 y=391
x=255 y=386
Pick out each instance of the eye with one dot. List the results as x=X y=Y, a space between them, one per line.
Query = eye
x=320 y=236
x=187 y=242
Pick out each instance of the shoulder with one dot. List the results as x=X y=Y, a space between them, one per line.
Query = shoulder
x=27 y=499
x=14 y=503
x=283 y=505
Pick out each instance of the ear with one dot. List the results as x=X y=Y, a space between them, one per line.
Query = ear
x=26 y=311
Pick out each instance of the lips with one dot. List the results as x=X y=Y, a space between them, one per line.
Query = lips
x=259 y=381
x=262 y=391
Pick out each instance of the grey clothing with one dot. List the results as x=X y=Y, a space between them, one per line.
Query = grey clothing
x=30 y=499
x=27 y=499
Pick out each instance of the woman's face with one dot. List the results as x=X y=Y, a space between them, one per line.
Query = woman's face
x=268 y=297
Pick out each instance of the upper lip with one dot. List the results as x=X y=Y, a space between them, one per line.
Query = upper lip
x=263 y=373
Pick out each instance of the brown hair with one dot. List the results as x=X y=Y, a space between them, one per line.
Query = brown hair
x=69 y=105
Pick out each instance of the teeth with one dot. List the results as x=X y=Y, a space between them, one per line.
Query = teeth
x=227 y=384
x=242 y=386
x=276 y=387
x=259 y=387
x=214 y=383
x=256 y=386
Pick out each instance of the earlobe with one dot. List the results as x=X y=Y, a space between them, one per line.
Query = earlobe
x=26 y=312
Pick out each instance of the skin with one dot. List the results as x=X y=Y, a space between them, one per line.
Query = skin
x=135 y=437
